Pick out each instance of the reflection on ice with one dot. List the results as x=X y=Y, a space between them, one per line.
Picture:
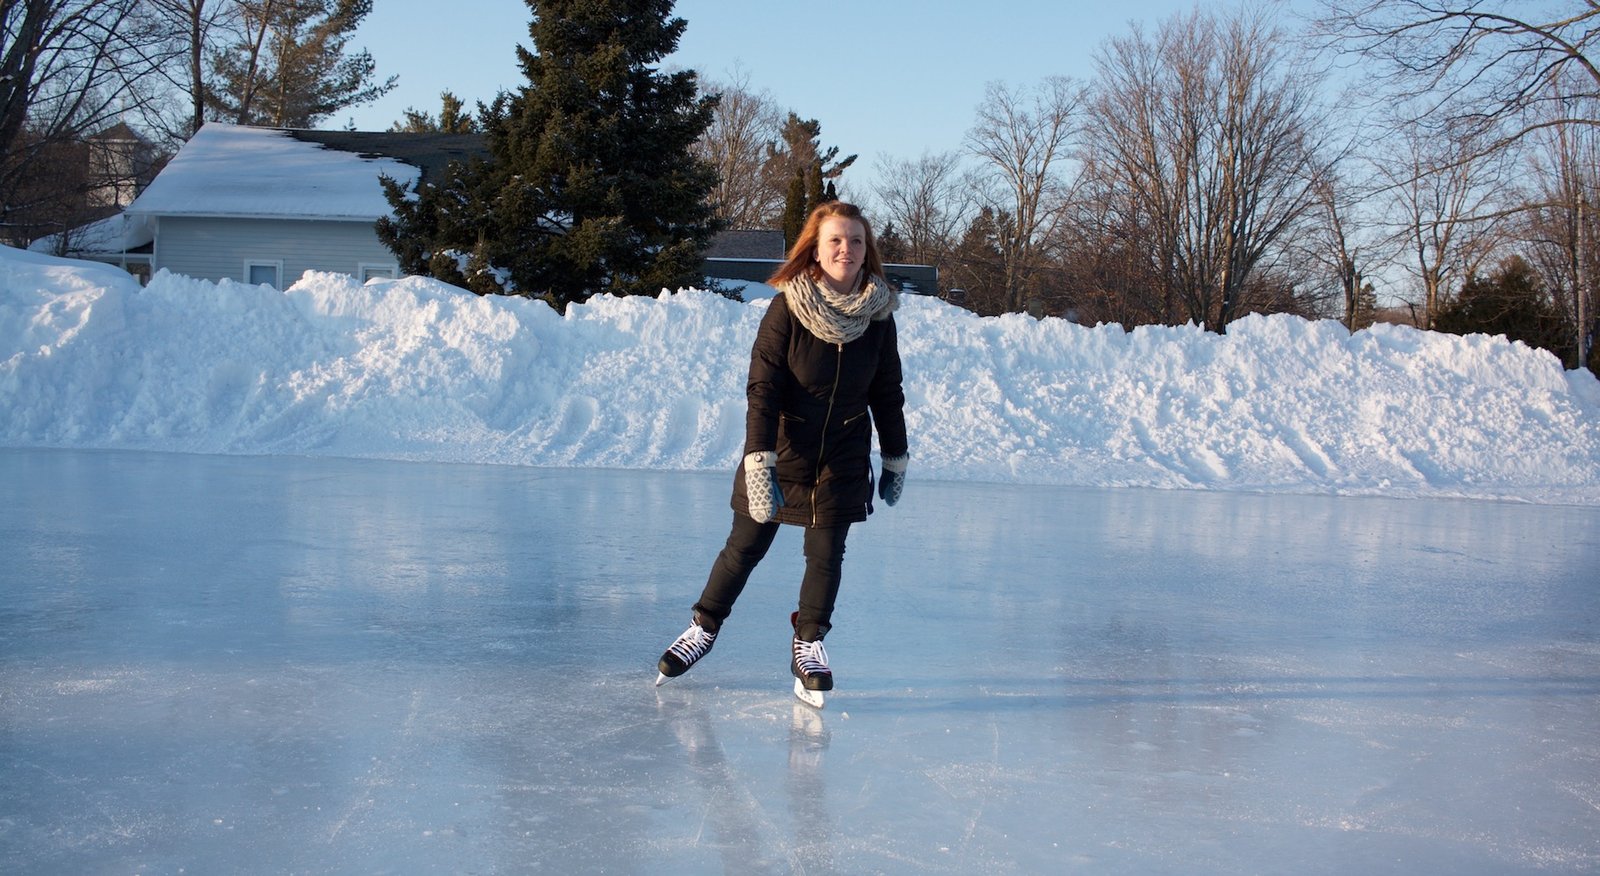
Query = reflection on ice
x=334 y=666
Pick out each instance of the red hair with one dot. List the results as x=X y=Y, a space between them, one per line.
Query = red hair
x=803 y=255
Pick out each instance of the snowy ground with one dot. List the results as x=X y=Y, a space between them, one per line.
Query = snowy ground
x=414 y=369
x=331 y=665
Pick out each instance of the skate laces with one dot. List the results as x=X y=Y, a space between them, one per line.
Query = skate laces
x=693 y=644
x=811 y=657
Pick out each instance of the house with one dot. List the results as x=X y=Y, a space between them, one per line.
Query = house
x=120 y=162
x=265 y=205
x=116 y=240
x=69 y=201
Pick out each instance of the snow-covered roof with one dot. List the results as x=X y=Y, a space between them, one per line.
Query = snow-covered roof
x=109 y=236
x=243 y=172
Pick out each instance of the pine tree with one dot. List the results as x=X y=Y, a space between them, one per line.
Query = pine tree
x=809 y=169
x=591 y=185
x=1512 y=302
x=794 y=208
x=891 y=245
x=289 y=68
x=802 y=152
x=979 y=264
x=452 y=119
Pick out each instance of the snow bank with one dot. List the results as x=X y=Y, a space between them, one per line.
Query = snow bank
x=414 y=369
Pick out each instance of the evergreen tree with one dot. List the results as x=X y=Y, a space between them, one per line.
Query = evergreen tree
x=979 y=264
x=891 y=245
x=452 y=119
x=591 y=185
x=794 y=208
x=809 y=169
x=814 y=191
x=289 y=68
x=802 y=151
x=1512 y=302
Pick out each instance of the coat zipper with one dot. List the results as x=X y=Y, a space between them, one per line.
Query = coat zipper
x=822 y=444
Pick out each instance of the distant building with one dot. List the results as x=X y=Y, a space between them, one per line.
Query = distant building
x=257 y=205
x=73 y=185
x=120 y=163
x=754 y=255
x=265 y=205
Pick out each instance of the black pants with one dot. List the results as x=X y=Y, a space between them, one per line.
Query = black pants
x=748 y=543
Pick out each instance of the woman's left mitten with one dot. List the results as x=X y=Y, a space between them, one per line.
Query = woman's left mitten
x=894 y=478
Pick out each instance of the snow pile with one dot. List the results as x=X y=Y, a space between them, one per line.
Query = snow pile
x=414 y=369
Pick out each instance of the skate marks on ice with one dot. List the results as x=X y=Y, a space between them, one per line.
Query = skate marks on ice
x=727 y=745
x=361 y=666
x=1264 y=760
x=893 y=792
x=838 y=801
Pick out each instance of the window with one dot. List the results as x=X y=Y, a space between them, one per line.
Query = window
x=375 y=270
x=263 y=272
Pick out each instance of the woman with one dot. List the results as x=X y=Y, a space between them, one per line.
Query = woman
x=824 y=359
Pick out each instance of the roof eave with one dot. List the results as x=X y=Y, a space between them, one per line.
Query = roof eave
x=297 y=217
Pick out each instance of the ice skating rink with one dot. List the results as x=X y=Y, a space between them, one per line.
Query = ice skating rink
x=217 y=664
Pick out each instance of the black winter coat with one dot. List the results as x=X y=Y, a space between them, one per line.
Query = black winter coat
x=811 y=401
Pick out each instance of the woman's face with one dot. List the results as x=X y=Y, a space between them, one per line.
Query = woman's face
x=841 y=247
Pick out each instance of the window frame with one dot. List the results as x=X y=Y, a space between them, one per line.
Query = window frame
x=277 y=270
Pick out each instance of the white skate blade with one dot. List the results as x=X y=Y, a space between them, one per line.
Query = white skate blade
x=812 y=698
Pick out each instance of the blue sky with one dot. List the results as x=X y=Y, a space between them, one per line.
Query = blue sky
x=890 y=77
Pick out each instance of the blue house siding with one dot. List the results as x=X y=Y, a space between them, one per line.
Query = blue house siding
x=220 y=248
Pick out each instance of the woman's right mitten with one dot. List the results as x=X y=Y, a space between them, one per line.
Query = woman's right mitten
x=761 y=484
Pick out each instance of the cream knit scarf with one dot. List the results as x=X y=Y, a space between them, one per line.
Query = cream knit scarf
x=835 y=318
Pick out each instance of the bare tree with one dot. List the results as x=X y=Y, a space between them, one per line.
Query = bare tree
x=193 y=29
x=744 y=133
x=65 y=65
x=1562 y=225
x=68 y=68
x=1023 y=138
x=1106 y=254
x=1135 y=176
x=1207 y=141
x=1477 y=65
x=1341 y=252
x=1499 y=75
x=928 y=202
x=1446 y=192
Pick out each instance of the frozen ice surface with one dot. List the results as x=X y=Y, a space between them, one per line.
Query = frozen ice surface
x=217 y=664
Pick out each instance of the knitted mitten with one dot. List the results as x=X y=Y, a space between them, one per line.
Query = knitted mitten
x=761 y=484
x=894 y=478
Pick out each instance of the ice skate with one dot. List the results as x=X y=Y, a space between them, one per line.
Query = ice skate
x=811 y=673
x=695 y=643
x=813 y=698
